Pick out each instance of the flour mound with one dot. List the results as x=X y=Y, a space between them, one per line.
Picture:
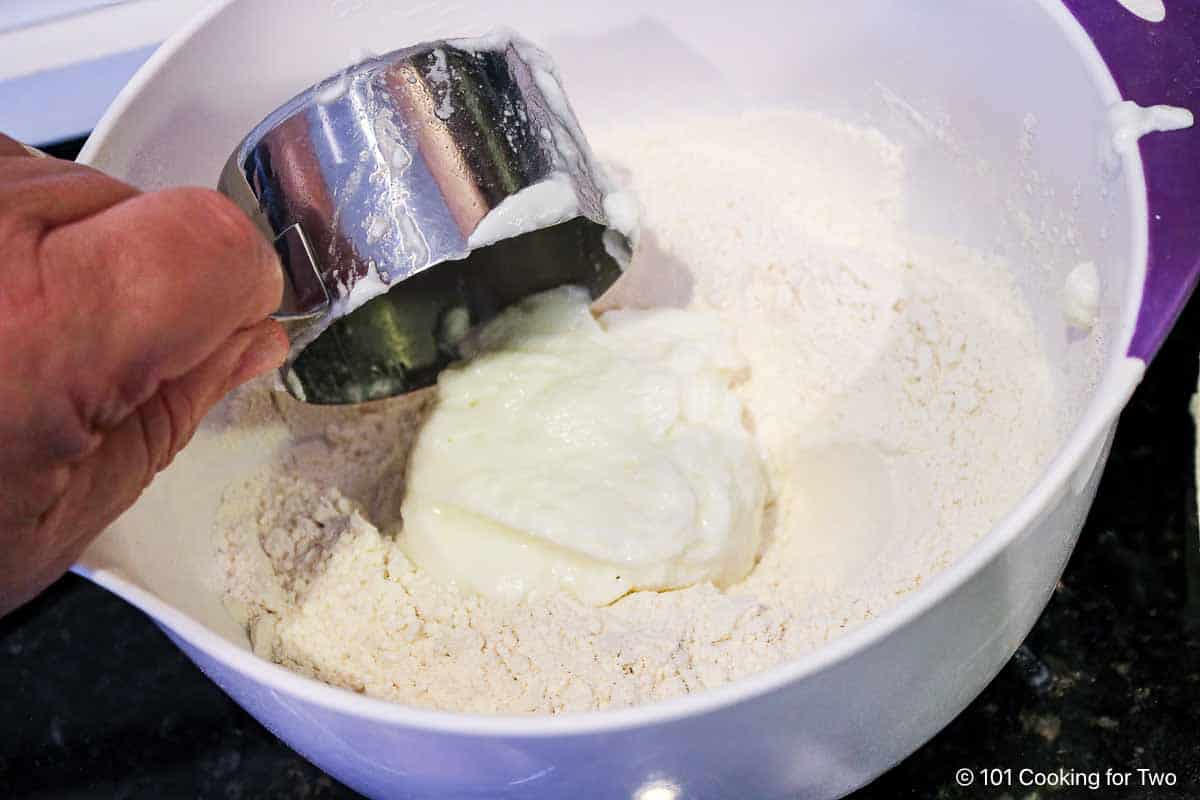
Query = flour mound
x=895 y=386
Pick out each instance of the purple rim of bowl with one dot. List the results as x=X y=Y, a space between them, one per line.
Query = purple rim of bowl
x=1155 y=63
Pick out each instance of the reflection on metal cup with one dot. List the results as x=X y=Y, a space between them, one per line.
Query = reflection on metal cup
x=382 y=189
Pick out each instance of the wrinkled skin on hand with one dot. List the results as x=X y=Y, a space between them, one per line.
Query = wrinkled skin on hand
x=124 y=316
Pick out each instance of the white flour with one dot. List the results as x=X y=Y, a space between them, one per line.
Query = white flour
x=896 y=388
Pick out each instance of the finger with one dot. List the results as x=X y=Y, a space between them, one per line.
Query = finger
x=248 y=354
x=48 y=192
x=11 y=147
x=27 y=495
x=172 y=276
x=31 y=491
x=170 y=418
x=267 y=352
x=108 y=481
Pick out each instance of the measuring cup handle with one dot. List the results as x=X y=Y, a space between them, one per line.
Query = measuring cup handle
x=1156 y=63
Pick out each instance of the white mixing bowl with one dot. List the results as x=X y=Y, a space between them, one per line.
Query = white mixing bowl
x=1004 y=108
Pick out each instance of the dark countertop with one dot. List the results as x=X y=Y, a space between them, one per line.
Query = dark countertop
x=97 y=703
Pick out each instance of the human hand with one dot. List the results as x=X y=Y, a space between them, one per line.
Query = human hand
x=123 y=318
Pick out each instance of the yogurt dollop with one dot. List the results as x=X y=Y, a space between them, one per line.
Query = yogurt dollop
x=592 y=456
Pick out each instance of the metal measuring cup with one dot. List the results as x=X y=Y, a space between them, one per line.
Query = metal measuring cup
x=391 y=192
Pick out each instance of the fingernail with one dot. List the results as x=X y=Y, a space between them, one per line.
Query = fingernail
x=266 y=352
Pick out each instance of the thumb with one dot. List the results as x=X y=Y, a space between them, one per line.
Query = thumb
x=173 y=276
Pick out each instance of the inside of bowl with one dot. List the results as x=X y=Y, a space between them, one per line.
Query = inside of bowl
x=1001 y=107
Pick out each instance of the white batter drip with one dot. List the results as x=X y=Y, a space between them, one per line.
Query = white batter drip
x=1130 y=121
x=1149 y=10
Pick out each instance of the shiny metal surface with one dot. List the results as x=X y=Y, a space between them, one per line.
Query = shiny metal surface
x=375 y=180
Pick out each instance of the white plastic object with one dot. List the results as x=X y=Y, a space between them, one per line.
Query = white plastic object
x=979 y=80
